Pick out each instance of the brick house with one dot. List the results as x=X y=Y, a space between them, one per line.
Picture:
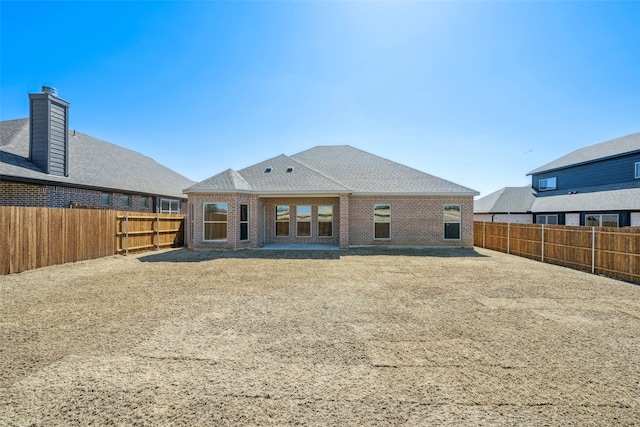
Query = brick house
x=44 y=163
x=331 y=195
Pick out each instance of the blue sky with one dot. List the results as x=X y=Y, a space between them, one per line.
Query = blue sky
x=479 y=93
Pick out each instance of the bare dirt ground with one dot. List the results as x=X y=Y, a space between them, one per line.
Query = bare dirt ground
x=359 y=337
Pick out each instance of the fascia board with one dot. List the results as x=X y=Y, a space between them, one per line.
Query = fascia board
x=472 y=193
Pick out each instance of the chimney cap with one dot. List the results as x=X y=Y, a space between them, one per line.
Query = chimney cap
x=50 y=90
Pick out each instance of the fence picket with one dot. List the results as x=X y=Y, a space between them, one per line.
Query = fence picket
x=610 y=251
x=34 y=237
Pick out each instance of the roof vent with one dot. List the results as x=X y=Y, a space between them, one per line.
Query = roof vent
x=290 y=169
x=50 y=90
x=268 y=169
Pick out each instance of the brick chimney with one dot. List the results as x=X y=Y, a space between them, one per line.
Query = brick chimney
x=49 y=132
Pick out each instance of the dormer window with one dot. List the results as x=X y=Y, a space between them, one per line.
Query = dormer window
x=637 y=170
x=547 y=184
x=290 y=169
x=268 y=169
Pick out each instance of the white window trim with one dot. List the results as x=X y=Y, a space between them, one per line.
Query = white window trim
x=637 y=170
x=444 y=237
x=318 y=221
x=310 y=222
x=374 y=221
x=204 y=222
x=170 y=211
x=547 y=188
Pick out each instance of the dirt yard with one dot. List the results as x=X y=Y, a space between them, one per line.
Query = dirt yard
x=411 y=338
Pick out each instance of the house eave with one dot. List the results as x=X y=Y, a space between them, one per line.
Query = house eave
x=416 y=194
x=217 y=191
x=61 y=183
x=299 y=194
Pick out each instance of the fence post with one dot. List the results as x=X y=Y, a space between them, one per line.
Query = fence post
x=157 y=231
x=593 y=250
x=126 y=233
x=508 y=237
x=542 y=248
x=484 y=233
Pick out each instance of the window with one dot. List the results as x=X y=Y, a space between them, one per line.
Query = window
x=215 y=221
x=637 y=169
x=547 y=219
x=452 y=217
x=244 y=222
x=169 y=206
x=601 y=220
x=282 y=221
x=126 y=201
x=105 y=199
x=547 y=184
x=382 y=221
x=303 y=221
x=325 y=221
x=143 y=202
x=192 y=218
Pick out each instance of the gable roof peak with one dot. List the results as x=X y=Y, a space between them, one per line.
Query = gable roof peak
x=611 y=148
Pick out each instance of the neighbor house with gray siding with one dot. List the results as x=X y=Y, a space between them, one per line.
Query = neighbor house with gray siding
x=44 y=163
x=598 y=185
x=328 y=195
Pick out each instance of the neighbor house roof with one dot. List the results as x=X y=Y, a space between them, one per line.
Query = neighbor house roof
x=626 y=199
x=506 y=200
x=612 y=148
x=93 y=163
x=331 y=170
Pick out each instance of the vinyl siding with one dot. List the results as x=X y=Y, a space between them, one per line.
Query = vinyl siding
x=617 y=170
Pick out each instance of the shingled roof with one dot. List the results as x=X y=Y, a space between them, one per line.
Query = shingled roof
x=615 y=147
x=331 y=170
x=506 y=200
x=93 y=163
x=613 y=200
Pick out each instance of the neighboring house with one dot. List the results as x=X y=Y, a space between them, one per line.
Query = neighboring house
x=509 y=204
x=43 y=163
x=333 y=195
x=598 y=185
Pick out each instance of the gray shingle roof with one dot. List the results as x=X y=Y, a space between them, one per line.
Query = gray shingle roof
x=93 y=163
x=336 y=169
x=614 y=147
x=506 y=200
x=626 y=199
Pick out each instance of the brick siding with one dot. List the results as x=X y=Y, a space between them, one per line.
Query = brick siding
x=54 y=196
x=20 y=194
x=415 y=221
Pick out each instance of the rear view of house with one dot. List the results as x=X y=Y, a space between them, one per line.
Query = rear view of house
x=333 y=195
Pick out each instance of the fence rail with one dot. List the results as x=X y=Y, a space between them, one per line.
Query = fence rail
x=609 y=251
x=32 y=237
x=142 y=232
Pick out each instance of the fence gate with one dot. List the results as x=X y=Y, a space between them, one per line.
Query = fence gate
x=142 y=232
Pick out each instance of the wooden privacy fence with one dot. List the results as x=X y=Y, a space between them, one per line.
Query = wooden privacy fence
x=142 y=231
x=609 y=251
x=33 y=237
